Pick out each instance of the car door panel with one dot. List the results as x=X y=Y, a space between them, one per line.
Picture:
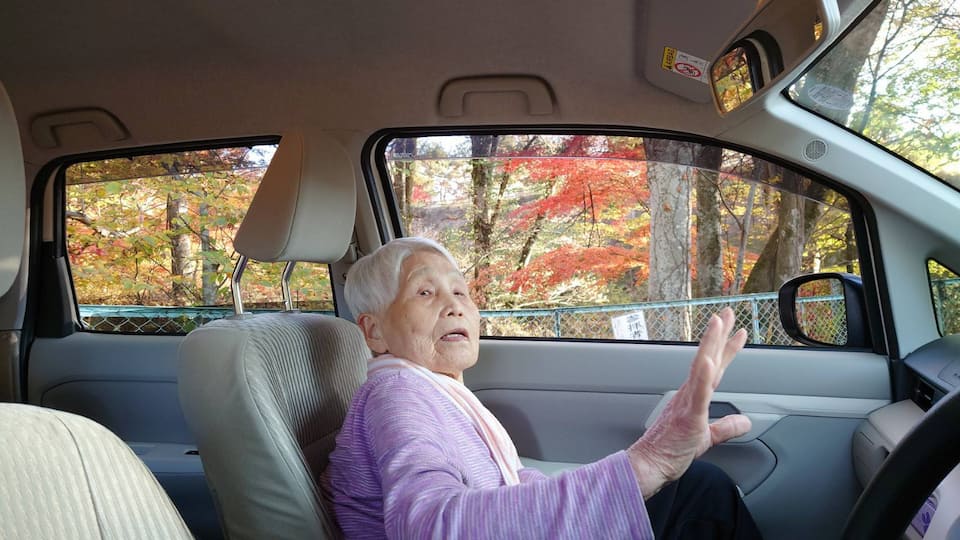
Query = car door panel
x=570 y=403
x=128 y=383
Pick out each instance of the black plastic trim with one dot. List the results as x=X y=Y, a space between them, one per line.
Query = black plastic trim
x=754 y=63
x=772 y=50
x=858 y=332
x=861 y=213
x=365 y=166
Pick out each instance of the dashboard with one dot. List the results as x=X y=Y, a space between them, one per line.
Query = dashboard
x=937 y=370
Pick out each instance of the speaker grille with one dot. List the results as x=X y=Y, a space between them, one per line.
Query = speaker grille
x=815 y=150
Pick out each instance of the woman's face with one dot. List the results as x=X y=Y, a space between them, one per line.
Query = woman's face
x=432 y=321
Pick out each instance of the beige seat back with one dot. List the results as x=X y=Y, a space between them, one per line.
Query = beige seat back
x=265 y=394
x=64 y=476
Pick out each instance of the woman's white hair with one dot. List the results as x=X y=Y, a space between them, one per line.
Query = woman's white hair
x=373 y=282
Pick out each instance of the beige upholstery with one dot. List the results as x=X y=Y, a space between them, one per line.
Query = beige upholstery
x=305 y=206
x=12 y=194
x=266 y=394
x=64 y=476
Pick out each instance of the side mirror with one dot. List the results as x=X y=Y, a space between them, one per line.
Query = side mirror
x=825 y=309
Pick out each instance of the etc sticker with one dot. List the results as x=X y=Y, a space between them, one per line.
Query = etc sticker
x=684 y=64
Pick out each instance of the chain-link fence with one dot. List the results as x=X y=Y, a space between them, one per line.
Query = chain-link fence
x=821 y=317
x=154 y=320
x=683 y=320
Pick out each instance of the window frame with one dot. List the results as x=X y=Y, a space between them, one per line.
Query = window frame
x=52 y=309
x=389 y=224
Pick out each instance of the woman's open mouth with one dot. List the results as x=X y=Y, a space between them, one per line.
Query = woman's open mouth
x=458 y=334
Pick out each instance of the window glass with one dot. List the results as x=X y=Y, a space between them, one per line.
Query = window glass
x=611 y=237
x=945 y=288
x=894 y=79
x=150 y=241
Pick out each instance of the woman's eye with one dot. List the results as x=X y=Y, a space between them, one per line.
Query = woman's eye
x=425 y=292
x=459 y=293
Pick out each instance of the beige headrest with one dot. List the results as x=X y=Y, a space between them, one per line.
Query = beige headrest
x=306 y=204
x=12 y=194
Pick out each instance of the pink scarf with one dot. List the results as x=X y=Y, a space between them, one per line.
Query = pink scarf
x=502 y=450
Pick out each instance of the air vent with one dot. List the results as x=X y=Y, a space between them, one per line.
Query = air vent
x=815 y=150
x=923 y=395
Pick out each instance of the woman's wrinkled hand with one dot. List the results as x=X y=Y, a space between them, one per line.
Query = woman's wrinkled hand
x=683 y=432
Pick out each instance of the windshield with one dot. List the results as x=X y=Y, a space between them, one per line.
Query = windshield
x=895 y=80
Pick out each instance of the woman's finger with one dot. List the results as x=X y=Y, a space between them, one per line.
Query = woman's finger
x=728 y=427
x=733 y=346
x=706 y=363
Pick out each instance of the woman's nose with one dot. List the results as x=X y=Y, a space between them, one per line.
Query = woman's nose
x=454 y=306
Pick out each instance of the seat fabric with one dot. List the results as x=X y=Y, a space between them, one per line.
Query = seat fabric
x=266 y=396
x=65 y=476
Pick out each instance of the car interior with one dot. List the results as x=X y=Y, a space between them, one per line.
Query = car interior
x=142 y=398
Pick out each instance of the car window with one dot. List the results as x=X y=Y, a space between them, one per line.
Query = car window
x=893 y=79
x=945 y=289
x=150 y=241
x=617 y=237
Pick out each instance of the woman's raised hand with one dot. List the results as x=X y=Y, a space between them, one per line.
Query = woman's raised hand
x=682 y=432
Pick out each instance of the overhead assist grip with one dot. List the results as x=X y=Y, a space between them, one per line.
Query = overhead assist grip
x=537 y=93
x=44 y=128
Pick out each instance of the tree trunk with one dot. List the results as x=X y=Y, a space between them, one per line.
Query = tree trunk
x=850 y=248
x=709 y=281
x=179 y=250
x=744 y=239
x=797 y=217
x=208 y=276
x=403 y=180
x=482 y=178
x=841 y=68
x=669 y=277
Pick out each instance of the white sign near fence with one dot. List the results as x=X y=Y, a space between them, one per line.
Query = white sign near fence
x=630 y=326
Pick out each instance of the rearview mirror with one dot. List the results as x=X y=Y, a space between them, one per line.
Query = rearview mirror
x=825 y=309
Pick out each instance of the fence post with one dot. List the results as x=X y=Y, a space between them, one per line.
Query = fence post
x=556 y=322
x=755 y=322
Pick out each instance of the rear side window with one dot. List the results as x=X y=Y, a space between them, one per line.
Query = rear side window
x=150 y=241
x=945 y=289
x=617 y=237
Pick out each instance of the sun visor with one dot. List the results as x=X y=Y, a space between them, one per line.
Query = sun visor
x=680 y=38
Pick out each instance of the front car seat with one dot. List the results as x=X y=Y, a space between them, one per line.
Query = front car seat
x=65 y=476
x=266 y=394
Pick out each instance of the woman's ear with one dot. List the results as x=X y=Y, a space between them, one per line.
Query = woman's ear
x=370 y=325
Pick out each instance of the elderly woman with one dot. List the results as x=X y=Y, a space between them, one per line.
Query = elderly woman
x=419 y=456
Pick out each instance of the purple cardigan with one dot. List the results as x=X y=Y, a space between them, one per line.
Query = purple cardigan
x=408 y=464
